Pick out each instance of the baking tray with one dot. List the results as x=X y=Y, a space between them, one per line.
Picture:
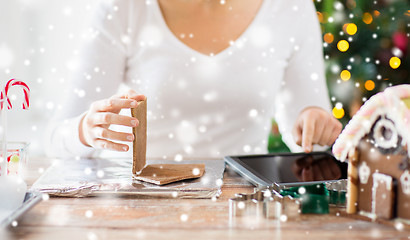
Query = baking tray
x=113 y=177
x=30 y=200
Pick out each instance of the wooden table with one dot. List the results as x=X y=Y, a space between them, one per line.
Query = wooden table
x=150 y=218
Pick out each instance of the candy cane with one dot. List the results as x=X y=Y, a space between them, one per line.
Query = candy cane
x=4 y=97
x=26 y=91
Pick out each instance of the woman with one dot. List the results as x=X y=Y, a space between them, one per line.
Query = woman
x=214 y=73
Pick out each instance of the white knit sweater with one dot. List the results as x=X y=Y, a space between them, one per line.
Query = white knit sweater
x=199 y=105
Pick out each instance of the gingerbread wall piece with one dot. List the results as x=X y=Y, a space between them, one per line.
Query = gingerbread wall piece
x=383 y=196
x=352 y=182
x=140 y=140
x=161 y=174
x=376 y=144
x=364 y=173
x=405 y=182
x=156 y=174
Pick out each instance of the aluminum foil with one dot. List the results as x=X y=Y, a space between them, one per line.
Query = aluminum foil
x=104 y=177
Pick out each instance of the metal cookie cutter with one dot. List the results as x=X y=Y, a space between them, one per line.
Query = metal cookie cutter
x=263 y=203
x=337 y=192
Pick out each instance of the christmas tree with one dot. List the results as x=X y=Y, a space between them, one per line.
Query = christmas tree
x=366 y=49
x=366 y=46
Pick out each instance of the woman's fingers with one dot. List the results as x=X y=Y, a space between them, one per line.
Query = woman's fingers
x=137 y=97
x=308 y=133
x=131 y=94
x=118 y=102
x=337 y=129
x=315 y=126
x=297 y=134
x=103 y=138
x=100 y=136
x=330 y=132
x=106 y=144
x=100 y=132
x=113 y=104
x=93 y=130
x=103 y=118
x=320 y=128
x=325 y=136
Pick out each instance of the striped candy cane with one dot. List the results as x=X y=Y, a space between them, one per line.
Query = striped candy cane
x=26 y=91
x=5 y=98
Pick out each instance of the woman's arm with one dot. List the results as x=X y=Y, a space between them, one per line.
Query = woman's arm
x=303 y=105
x=101 y=70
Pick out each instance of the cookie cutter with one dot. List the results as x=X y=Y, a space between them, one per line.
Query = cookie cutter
x=269 y=203
x=337 y=192
x=263 y=203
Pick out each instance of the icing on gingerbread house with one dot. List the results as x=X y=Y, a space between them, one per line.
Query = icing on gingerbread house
x=376 y=144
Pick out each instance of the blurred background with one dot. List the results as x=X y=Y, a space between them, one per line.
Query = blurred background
x=366 y=48
x=39 y=40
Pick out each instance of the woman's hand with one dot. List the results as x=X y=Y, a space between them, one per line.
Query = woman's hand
x=94 y=126
x=315 y=126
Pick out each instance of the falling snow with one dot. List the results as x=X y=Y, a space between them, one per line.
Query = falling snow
x=92 y=236
x=184 y=217
x=178 y=158
x=253 y=113
x=219 y=182
x=100 y=174
x=45 y=197
x=247 y=148
x=210 y=96
x=89 y=214
x=195 y=171
x=87 y=171
x=187 y=132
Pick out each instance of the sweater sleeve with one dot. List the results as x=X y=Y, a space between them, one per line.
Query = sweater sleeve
x=304 y=82
x=100 y=71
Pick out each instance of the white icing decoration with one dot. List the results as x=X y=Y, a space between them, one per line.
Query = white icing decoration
x=388 y=103
x=405 y=182
x=378 y=134
x=380 y=178
x=367 y=214
x=364 y=173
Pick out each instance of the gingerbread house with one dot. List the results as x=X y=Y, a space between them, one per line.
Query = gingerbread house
x=376 y=144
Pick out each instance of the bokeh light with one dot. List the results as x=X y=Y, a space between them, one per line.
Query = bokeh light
x=367 y=18
x=320 y=17
x=351 y=29
x=369 y=85
x=376 y=13
x=328 y=37
x=345 y=75
x=338 y=112
x=395 y=62
x=343 y=45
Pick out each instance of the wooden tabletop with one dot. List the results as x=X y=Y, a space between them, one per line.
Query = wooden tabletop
x=150 y=218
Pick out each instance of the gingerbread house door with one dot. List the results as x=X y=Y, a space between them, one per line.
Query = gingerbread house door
x=383 y=196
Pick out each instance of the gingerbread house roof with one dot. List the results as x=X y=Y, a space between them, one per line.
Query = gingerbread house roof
x=394 y=102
